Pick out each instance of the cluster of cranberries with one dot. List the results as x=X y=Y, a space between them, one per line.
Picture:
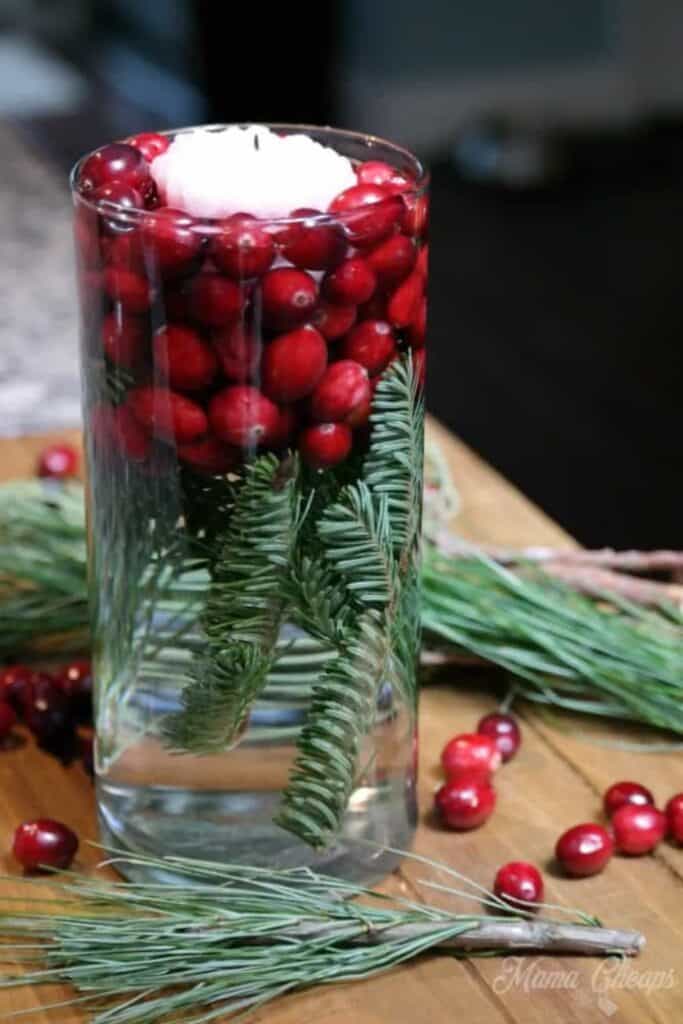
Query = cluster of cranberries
x=244 y=333
x=56 y=708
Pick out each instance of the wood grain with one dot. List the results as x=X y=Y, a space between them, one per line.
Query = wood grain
x=555 y=781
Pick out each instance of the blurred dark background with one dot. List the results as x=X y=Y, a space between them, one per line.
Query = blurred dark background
x=555 y=135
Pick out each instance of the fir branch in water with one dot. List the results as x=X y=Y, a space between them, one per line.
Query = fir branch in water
x=244 y=609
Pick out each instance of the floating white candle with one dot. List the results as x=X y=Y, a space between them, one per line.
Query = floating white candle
x=213 y=173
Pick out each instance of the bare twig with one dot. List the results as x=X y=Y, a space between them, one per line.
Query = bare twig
x=601 y=582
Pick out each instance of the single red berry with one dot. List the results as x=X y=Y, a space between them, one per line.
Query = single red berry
x=45 y=707
x=44 y=843
x=238 y=351
x=116 y=162
x=674 y=817
x=14 y=682
x=342 y=391
x=333 y=321
x=584 y=849
x=465 y=802
x=325 y=444
x=351 y=283
x=392 y=260
x=124 y=340
x=58 y=461
x=130 y=290
x=183 y=358
x=8 y=718
x=372 y=344
x=173 y=241
x=415 y=215
x=242 y=248
x=167 y=414
x=403 y=304
x=208 y=455
x=311 y=243
x=150 y=144
x=130 y=437
x=243 y=417
x=417 y=328
x=377 y=172
x=75 y=681
x=293 y=364
x=638 y=828
x=367 y=213
x=288 y=296
x=214 y=300
x=470 y=754
x=621 y=793
x=503 y=730
x=517 y=881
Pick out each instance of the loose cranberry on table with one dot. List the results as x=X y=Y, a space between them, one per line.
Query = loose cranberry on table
x=132 y=291
x=45 y=707
x=75 y=681
x=584 y=849
x=333 y=321
x=118 y=161
x=351 y=283
x=674 y=817
x=392 y=260
x=621 y=793
x=14 y=682
x=312 y=244
x=167 y=414
x=124 y=340
x=8 y=718
x=517 y=881
x=343 y=389
x=208 y=455
x=465 y=802
x=150 y=144
x=214 y=299
x=503 y=730
x=470 y=754
x=638 y=828
x=173 y=241
x=371 y=343
x=288 y=297
x=58 y=461
x=183 y=358
x=242 y=248
x=367 y=213
x=293 y=364
x=325 y=444
x=243 y=416
x=44 y=843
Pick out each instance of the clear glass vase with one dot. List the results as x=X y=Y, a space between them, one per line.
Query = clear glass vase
x=253 y=408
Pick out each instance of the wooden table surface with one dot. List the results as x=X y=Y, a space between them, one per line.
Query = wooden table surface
x=555 y=781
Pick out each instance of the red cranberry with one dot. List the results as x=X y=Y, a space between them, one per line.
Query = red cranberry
x=180 y=355
x=333 y=321
x=214 y=300
x=392 y=260
x=311 y=244
x=465 y=802
x=293 y=364
x=342 y=391
x=117 y=194
x=46 y=707
x=115 y=162
x=242 y=248
x=238 y=351
x=470 y=754
x=208 y=455
x=124 y=340
x=626 y=793
x=168 y=415
x=377 y=172
x=14 y=683
x=403 y=304
x=132 y=291
x=75 y=681
x=131 y=438
x=8 y=718
x=351 y=283
x=288 y=297
x=503 y=730
x=44 y=843
x=368 y=212
x=584 y=849
x=674 y=817
x=517 y=881
x=638 y=828
x=415 y=214
x=372 y=344
x=417 y=329
x=325 y=444
x=58 y=461
x=243 y=417
x=172 y=237
x=150 y=144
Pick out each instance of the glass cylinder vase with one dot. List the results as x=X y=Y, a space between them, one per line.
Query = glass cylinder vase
x=253 y=413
